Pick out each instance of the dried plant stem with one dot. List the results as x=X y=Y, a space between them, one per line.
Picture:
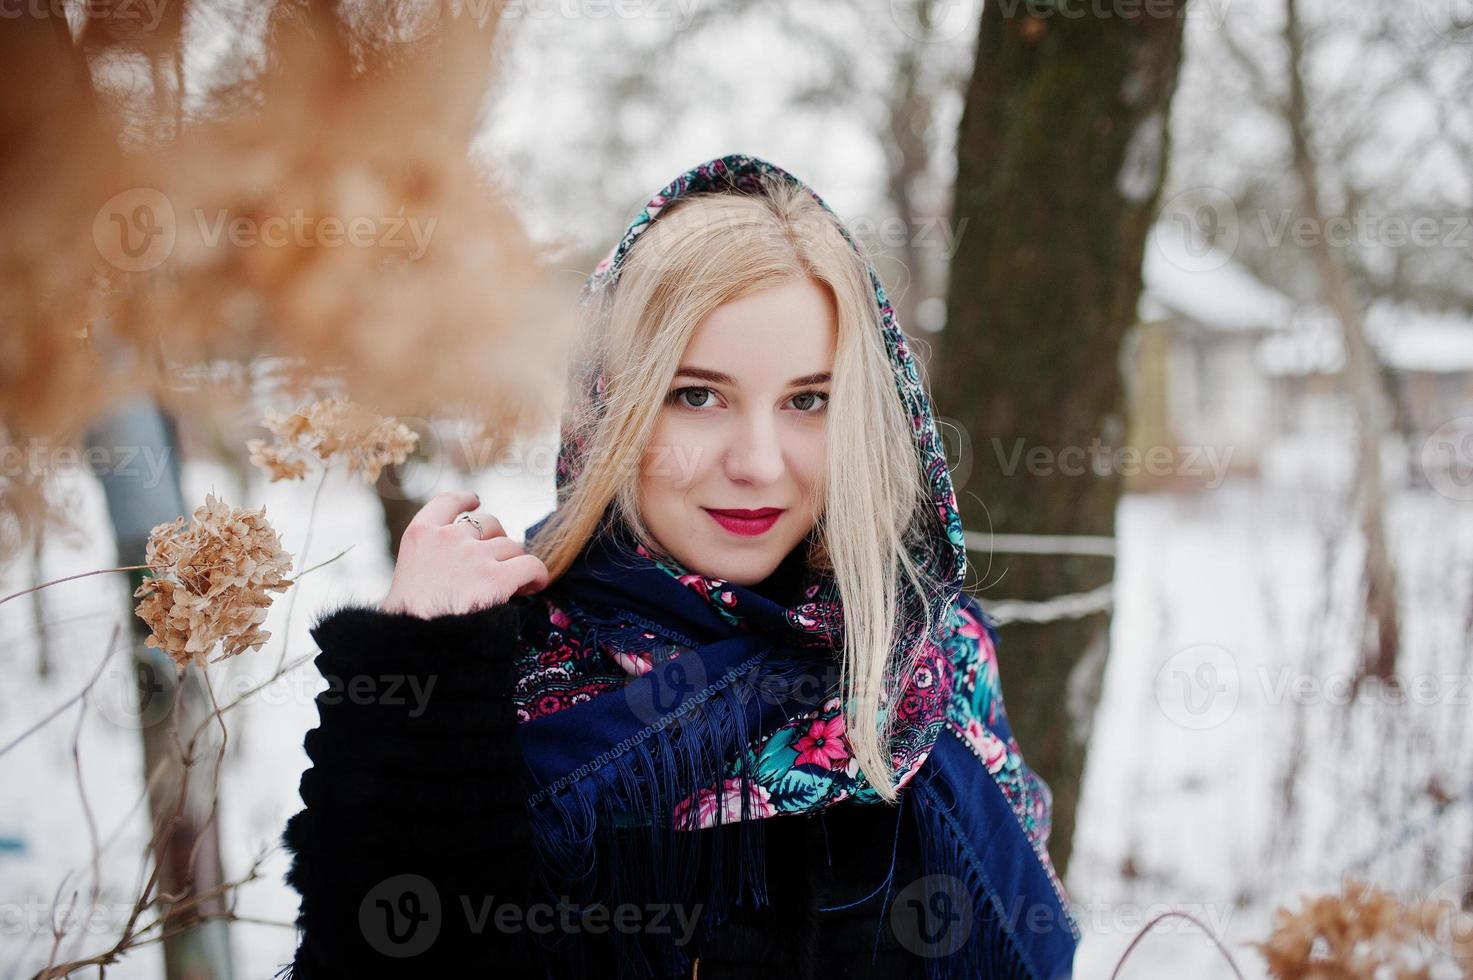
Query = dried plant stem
x=291 y=603
x=58 y=581
x=69 y=701
x=1181 y=915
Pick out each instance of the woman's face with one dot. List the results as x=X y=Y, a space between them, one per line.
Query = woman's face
x=741 y=431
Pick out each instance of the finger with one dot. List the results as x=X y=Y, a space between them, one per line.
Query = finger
x=503 y=548
x=443 y=507
x=491 y=528
x=531 y=573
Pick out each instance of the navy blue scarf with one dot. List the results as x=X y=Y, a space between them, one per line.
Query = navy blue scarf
x=609 y=775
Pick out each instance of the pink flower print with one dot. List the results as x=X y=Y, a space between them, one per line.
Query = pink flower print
x=992 y=750
x=823 y=744
x=698 y=811
x=969 y=625
x=698 y=582
x=636 y=664
x=559 y=618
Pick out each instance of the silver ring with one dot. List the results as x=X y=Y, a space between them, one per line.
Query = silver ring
x=467 y=518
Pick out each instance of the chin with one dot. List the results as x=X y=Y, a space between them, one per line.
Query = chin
x=744 y=570
x=737 y=574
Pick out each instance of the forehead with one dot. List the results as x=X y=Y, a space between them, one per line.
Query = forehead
x=787 y=330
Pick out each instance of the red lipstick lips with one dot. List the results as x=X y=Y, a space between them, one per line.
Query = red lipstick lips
x=746 y=522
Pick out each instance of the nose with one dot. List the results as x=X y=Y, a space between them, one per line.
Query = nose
x=755 y=453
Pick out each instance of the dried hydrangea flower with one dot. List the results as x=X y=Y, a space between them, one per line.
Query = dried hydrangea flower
x=329 y=429
x=1362 y=934
x=211 y=581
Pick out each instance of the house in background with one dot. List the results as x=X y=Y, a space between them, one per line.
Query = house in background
x=1193 y=378
x=1220 y=364
x=1427 y=365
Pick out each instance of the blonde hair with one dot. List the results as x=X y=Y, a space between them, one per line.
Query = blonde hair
x=708 y=249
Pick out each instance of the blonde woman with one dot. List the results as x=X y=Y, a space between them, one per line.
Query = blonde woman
x=728 y=712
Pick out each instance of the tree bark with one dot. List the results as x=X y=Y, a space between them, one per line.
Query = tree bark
x=1060 y=161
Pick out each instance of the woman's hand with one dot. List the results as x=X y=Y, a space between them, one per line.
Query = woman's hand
x=446 y=567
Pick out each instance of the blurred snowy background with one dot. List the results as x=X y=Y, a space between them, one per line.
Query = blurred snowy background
x=1236 y=756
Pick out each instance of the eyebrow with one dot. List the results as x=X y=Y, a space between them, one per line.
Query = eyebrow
x=720 y=378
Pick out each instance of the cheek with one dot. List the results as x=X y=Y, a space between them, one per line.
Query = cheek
x=810 y=461
x=677 y=460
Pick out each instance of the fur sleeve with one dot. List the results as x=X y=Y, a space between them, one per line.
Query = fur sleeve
x=414 y=815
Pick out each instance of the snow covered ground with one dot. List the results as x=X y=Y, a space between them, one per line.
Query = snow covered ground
x=40 y=807
x=1231 y=769
x=1226 y=774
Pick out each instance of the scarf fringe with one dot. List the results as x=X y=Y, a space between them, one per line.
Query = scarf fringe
x=969 y=833
x=609 y=835
x=989 y=950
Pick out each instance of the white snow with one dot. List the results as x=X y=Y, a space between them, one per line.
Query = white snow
x=39 y=803
x=1203 y=283
x=1404 y=337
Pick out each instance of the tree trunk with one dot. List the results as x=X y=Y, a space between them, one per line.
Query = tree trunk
x=1060 y=161
x=1361 y=377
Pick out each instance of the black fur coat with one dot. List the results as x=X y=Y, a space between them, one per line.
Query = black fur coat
x=412 y=853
